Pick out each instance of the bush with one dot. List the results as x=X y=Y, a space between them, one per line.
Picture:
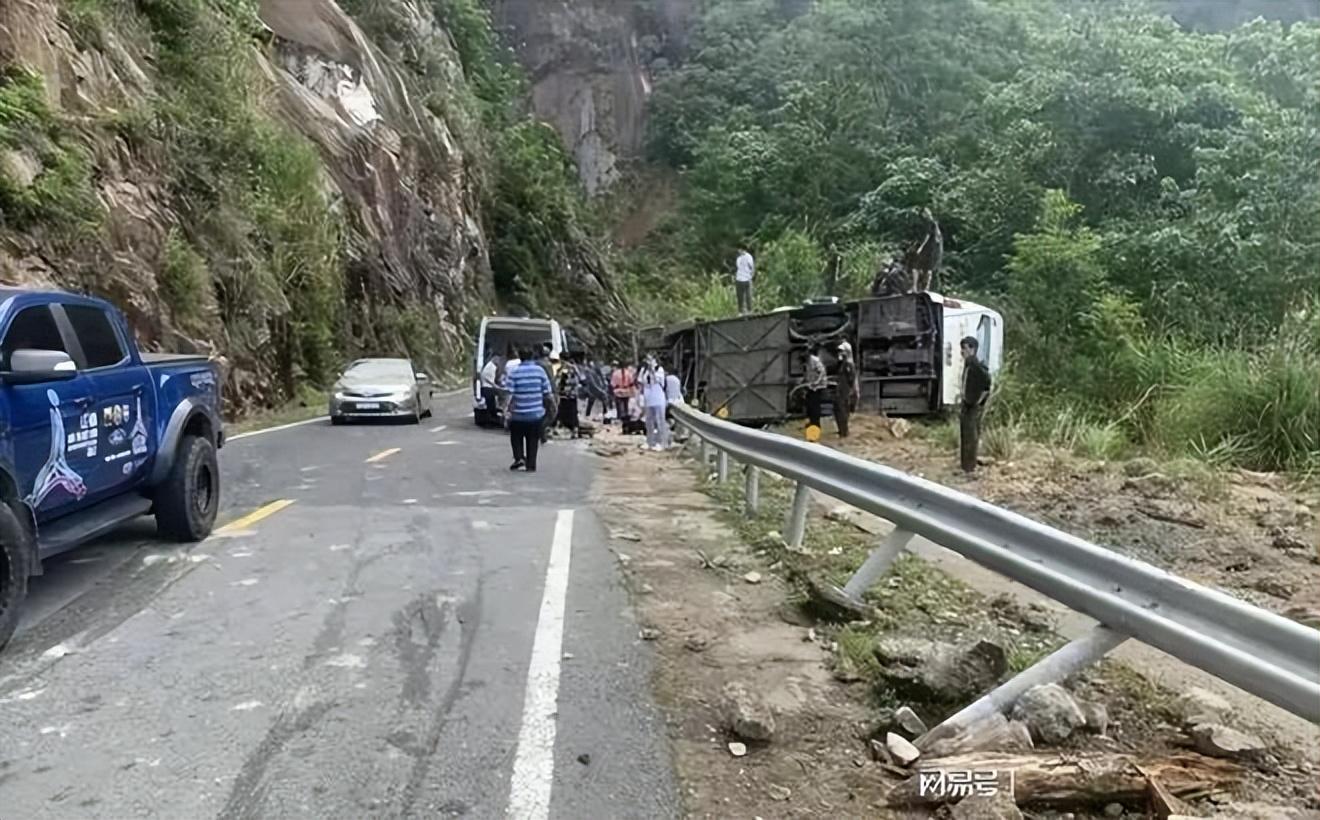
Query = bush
x=61 y=194
x=183 y=278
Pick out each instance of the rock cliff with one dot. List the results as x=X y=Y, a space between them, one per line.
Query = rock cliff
x=264 y=181
x=590 y=63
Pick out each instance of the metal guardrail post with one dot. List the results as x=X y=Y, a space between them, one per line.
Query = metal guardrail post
x=722 y=467
x=751 y=491
x=877 y=563
x=797 y=517
x=1067 y=660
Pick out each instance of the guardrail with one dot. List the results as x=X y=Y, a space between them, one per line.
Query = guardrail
x=1258 y=651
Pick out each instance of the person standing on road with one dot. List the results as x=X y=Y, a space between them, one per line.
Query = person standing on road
x=511 y=362
x=490 y=393
x=846 y=390
x=570 y=388
x=673 y=396
x=745 y=270
x=817 y=382
x=530 y=392
x=595 y=386
x=652 y=382
x=975 y=393
x=622 y=383
x=549 y=362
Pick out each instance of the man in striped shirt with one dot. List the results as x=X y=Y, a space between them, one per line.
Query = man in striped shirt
x=529 y=389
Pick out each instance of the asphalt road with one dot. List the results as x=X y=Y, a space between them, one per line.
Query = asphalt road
x=391 y=625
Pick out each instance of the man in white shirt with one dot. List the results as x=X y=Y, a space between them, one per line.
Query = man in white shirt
x=742 y=280
x=489 y=392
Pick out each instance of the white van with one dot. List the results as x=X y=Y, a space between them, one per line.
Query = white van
x=500 y=333
x=963 y=319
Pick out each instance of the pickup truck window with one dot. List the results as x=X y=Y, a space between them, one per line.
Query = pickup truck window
x=96 y=335
x=33 y=328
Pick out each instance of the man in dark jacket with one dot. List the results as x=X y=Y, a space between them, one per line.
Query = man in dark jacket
x=975 y=392
x=846 y=389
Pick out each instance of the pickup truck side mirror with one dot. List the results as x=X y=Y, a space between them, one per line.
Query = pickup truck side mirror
x=36 y=366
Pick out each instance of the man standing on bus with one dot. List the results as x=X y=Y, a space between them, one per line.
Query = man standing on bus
x=742 y=280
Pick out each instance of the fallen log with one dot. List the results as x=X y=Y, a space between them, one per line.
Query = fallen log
x=1059 y=780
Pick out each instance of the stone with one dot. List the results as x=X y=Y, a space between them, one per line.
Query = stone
x=738 y=749
x=993 y=733
x=1139 y=467
x=747 y=715
x=1114 y=810
x=21 y=167
x=778 y=792
x=648 y=633
x=1217 y=740
x=1049 y=712
x=903 y=752
x=1198 y=705
x=1151 y=484
x=1288 y=541
x=584 y=759
x=997 y=806
x=1096 y=716
x=909 y=722
x=879 y=752
x=1305 y=615
x=1276 y=586
x=752 y=577
x=937 y=672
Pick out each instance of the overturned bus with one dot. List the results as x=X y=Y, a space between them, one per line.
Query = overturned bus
x=751 y=369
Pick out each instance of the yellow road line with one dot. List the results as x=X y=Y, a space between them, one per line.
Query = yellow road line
x=383 y=454
x=254 y=516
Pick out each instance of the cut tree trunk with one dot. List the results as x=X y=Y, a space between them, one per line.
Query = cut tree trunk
x=1074 y=779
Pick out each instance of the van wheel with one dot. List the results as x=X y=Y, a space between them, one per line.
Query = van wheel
x=15 y=550
x=187 y=501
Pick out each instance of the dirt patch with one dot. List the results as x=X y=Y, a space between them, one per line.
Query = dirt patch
x=687 y=557
x=1255 y=535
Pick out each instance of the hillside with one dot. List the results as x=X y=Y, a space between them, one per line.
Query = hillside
x=285 y=184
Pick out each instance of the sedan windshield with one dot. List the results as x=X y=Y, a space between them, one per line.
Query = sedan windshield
x=385 y=370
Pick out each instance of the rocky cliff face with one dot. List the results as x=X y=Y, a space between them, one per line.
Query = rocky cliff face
x=590 y=63
x=259 y=179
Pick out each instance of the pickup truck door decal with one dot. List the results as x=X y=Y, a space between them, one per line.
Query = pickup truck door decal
x=56 y=474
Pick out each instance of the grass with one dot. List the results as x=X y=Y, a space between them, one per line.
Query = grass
x=309 y=404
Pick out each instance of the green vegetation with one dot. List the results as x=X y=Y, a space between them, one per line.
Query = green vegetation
x=1137 y=198
x=33 y=141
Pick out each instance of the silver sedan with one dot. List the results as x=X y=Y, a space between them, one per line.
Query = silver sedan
x=381 y=388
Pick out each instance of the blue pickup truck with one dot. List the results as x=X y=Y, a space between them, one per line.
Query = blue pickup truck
x=94 y=433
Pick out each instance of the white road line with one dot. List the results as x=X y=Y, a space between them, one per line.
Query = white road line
x=274 y=429
x=440 y=428
x=534 y=763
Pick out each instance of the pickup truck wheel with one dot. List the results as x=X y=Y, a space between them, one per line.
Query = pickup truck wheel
x=14 y=553
x=187 y=501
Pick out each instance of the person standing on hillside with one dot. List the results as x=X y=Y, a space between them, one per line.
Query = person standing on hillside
x=975 y=393
x=846 y=390
x=745 y=270
x=530 y=392
x=816 y=383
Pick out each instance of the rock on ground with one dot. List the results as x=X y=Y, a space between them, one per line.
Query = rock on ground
x=1217 y=740
x=1096 y=715
x=909 y=722
x=999 y=806
x=1198 y=705
x=936 y=672
x=747 y=714
x=903 y=753
x=1049 y=712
